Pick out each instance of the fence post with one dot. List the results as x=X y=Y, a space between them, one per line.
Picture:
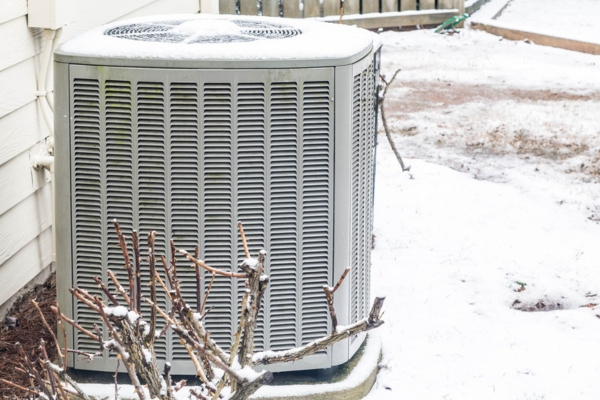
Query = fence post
x=460 y=4
x=408 y=5
x=249 y=7
x=227 y=6
x=270 y=8
x=209 y=6
x=389 y=5
x=291 y=9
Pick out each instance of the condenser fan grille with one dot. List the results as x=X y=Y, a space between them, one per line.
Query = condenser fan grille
x=203 y=31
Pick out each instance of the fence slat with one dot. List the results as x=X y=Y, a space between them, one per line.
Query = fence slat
x=312 y=8
x=445 y=4
x=426 y=4
x=331 y=7
x=389 y=5
x=370 y=6
x=291 y=9
x=249 y=7
x=227 y=7
x=408 y=5
x=351 y=7
x=270 y=8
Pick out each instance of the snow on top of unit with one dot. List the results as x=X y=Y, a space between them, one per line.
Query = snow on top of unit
x=220 y=38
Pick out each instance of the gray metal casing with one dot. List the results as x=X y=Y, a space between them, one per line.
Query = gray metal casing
x=188 y=151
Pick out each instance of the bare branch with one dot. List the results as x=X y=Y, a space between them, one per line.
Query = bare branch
x=244 y=241
x=119 y=287
x=167 y=273
x=168 y=380
x=385 y=124
x=61 y=372
x=49 y=372
x=136 y=299
x=73 y=323
x=108 y=294
x=198 y=280
x=32 y=371
x=211 y=269
x=58 y=350
x=9 y=383
x=364 y=325
x=329 y=297
x=115 y=378
x=212 y=280
x=64 y=335
x=127 y=266
x=184 y=334
x=152 y=263
x=81 y=296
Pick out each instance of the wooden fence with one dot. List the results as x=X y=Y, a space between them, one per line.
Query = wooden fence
x=324 y=8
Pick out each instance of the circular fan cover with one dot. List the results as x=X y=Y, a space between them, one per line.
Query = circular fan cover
x=203 y=31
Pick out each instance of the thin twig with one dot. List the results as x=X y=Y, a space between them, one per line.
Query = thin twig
x=168 y=380
x=341 y=11
x=127 y=266
x=152 y=264
x=158 y=278
x=64 y=334
x=211 y=269
x=212 y=280
x=137 y=299
x=115 y=377
x=119 y=287
x=48 y=371
x=329 y=297
x=61 y=372
x=9 y=383
x=50 y=330
x=167 y=273
x=184 y=334
x=73 y=323
x=32 y=371
x=81 y=296
x=385 y=125
x=89 y=356
x=107 y=292
x=244 y=241
x=198 y=279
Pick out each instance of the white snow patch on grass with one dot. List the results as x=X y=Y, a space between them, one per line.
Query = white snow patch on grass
x=450 y=246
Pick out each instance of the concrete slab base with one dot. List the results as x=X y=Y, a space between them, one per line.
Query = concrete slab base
x=355 y=385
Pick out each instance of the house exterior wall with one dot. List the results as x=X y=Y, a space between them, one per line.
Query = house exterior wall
x=25 y=193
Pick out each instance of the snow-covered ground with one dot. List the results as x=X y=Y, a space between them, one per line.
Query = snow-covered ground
x=503 y=139
x=577 y=19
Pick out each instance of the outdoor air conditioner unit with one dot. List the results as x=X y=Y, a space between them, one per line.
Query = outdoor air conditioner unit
x=185 y=124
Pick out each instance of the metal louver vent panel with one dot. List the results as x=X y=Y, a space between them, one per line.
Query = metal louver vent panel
x=283 y=221
x=152 y=194
x=218 y=219
x=184 y=183
x=88 y=219
x=363 y=135
x=251 y=179
x=316 y=200
x=190 y=155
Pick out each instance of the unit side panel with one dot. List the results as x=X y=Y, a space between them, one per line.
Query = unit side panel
x=64 y=276
x=189 y=153
x=363 y=148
